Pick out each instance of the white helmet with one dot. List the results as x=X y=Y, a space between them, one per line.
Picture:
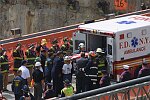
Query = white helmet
x=67 y=58
x=99 y=50
x=81 y=45
x=126 y=66
x=38 y=64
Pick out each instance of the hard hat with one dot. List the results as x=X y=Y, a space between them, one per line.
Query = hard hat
x=18 y=44
x=99 y=50
x=81 y=45
x=38 y=64
x=92 y=53
x=43 y=41
x=55 y=41
x=37 y=59
x=67 y=82
x=67 y=58
x=65 y=39
x=125 y=66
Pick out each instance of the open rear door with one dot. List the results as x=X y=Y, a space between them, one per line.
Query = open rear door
x=79 y=38
x=110 y=54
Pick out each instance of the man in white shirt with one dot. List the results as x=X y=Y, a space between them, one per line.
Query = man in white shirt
x=25 y=71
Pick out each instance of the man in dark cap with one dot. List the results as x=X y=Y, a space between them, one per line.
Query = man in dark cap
x=18 y=56
x=57 y=72
x=26 y=94
x=49 y=93
x=145 y=71
x=25 y=71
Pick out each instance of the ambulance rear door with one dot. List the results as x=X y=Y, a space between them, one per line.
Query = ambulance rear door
x=77 y=39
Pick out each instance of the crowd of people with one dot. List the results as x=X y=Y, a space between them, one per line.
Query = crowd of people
x=49 y=71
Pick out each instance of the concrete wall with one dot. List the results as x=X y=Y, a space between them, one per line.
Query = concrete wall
x=38 y=15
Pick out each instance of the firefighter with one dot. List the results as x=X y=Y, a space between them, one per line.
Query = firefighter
x=42 y=46
x=43 y=57
x=91 y=72
x=101 y=62
x=4 y=69
x=145 y=71
x=18 y=56
x=126 y=75
x=31 y=55
x=80 y=74
x=55 y=47
x=105 y=80
x=65 y=47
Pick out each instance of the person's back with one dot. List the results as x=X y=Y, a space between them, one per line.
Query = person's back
x=144 y=72
x=126 y=76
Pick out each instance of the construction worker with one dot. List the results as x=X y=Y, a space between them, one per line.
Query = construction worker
x=105 y=80
x=55 y=47
x=126 y=75
x=31 y=55
x=17 y=85
x=18 y=56
x=101 y=62
x=91 y=72
x=145 y=70
x=80 y=73
x=68 y=89
x=4 y=69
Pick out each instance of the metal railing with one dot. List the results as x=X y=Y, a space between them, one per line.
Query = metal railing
x=130 y=90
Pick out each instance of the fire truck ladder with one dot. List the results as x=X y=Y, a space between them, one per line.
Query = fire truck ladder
x=137 y=89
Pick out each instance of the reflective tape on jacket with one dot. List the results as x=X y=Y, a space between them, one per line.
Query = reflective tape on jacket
x=4 y=71
x=101 y=65
x=19 y=58
x=30 y=65
x=30 y=58
x=3 y=63
x=68 y=91
x=16 y=68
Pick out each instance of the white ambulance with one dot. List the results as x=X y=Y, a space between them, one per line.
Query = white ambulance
x=126 y=41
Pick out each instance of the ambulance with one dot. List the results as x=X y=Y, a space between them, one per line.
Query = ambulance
x=126 y=41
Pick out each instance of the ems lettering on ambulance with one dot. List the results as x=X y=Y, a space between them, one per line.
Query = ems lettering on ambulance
x=134 y=45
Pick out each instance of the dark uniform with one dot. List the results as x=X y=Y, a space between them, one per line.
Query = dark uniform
x=125 y=76
x=49 y=93
x=37 y=77
x=43 y=59
x=66 y=46
x=18 y=56
x=91 y=74
x=1 y=82
x=80 y=74
x=55 y=47
x=31 y=55
x=4 y=69
x=48 y=69
x=17 y=85
x=136 y=72
x=57 y=74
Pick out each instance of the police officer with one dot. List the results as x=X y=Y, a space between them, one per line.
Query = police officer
x=31 y=55
x=145 y=71
x=38 y=81
x=49 y=93
x=91 y=71
x=68 y=89
x=18 y=56
x=126 y=75
x=57 y=72
x=4 y=68
x=17 y=85
x=55 y=47
x=105 y=80
x=101 y=62
x=48 y=67
x=80 y=74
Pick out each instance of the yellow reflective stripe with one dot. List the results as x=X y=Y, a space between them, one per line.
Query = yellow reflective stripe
x=16 y=68
x=30 y=65
x=4 y=71
x=101 y=65
x=3 y=63
x=30 y=58
x=18 y=58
